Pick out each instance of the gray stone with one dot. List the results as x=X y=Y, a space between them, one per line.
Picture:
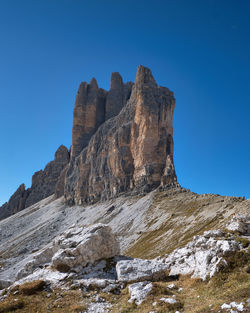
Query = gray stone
x=79 y=246
x=140 y=270
x=139 y=291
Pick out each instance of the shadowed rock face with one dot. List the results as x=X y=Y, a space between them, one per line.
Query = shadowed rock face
x=89 y=114
x=132 y=151
x=93 y=106
x=117 y=96
x=44 y=183
x=16 y=203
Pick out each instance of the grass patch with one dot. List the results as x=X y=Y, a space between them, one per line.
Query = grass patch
x=78 y=308
x=7 y=306
x=244 y=241
x=31 y=288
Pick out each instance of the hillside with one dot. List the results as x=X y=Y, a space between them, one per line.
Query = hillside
x=146 y=226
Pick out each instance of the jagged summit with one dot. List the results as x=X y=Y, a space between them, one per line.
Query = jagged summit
x=122 y=141
x=144 y=76
x=133 y=151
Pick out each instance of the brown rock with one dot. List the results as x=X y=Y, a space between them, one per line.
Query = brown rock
x=89 y=114
x=132 y=151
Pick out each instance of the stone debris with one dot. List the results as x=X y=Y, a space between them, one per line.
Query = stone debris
x=168 y=300
x=139 y=291
x=98 y=307
x=139 y=270
x=240 y=224
x=54 y=278
x=201 y=257
x=171 y=286
x=233 y=305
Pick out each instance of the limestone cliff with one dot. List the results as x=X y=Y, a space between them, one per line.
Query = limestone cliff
x=132 y=151
x=122 y=140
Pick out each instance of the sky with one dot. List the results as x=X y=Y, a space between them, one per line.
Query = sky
x=199 y=49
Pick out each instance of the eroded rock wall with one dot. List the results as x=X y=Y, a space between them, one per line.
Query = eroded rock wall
x=16 y=203
x=132 y=151
x=44 y=183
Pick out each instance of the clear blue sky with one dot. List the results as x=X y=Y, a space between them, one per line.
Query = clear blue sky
x=198 y=48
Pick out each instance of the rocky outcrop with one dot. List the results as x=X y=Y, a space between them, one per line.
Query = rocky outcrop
x=240 y=224
x=74 y=249
x=202 y=257
x=44 y=183
x=132 y=151
x=16 y=203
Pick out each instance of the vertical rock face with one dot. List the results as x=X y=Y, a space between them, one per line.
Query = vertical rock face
x=44 y=181
x=132 y=151
x=89 y=114
x=117 y=96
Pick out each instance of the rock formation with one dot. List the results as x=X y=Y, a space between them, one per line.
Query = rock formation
x=89 y=114
x=44 y=183
x=16 y=202
x=132 y=151
x=122 y=140
x=117 y=96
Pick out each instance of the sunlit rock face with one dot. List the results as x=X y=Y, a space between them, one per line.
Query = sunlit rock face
x=132 y=151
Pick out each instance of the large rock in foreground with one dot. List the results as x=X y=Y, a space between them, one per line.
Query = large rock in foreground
x=132 y=151
x=80 y=246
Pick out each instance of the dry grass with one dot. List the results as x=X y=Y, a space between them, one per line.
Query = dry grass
x=10 y=306
x=230 y=284
x=58 y=301
x=31 y=288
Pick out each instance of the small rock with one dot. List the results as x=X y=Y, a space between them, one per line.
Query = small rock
x=168 y=300
x=171 y=286
x=139 y=291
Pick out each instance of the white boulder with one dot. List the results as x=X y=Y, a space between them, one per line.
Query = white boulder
x=201 y=257
x=79 y=246
x=140 y=270
x=239 y=223
x=168 y=300
x=139 y=291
